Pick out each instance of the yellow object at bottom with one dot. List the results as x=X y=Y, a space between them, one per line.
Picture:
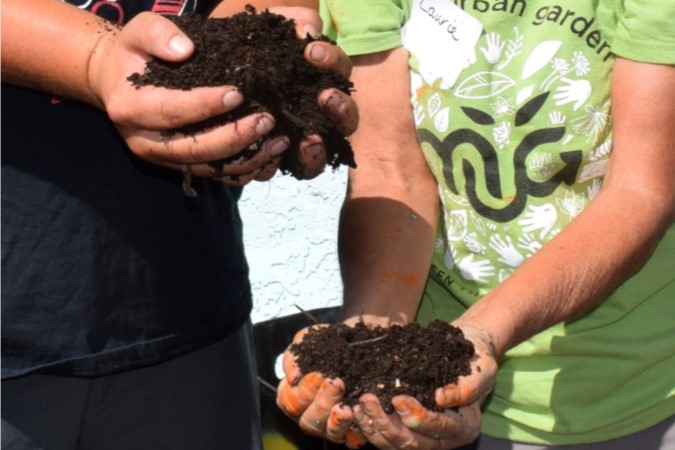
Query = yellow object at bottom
x=275 y=441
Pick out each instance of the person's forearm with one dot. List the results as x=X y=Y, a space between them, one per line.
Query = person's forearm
x=573 y=272
x=389 y=216
x=47 y=46
x=617 y=232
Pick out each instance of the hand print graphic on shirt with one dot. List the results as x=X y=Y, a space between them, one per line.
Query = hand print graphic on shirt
x=507 y=251
x=528 y=243
x=576 y=92
x=539 y=218
x=470 y=267
x=594 y=189
x=493 y=49
x=475 y=270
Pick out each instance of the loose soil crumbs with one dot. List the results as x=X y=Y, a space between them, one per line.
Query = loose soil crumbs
x=409 y=359
x=262 y=56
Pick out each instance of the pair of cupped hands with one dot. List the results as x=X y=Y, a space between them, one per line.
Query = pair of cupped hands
x=315 y=402
x=146 y=116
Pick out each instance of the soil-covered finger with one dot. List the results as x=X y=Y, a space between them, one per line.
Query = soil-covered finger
x=458 y=427
x=390 y=431
x=294 y=400
x=413 y=415
x=341 y=109
x=328 y=57
x=216 y=144
x=288 y=400
x=251 y=159
x=354 y=437
x=339 y=422
x=315 y=417
x=158 y=108
x=312 y=156
x=268 y=170
x=239 y=180
x=291 y=370
x=370 y=427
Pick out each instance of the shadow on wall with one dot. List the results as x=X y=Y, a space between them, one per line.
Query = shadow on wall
x=271 y=339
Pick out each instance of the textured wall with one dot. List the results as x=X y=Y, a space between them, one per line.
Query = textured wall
x=290 y=233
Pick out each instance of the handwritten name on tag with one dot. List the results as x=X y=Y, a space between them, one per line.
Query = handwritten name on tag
x=443 y=38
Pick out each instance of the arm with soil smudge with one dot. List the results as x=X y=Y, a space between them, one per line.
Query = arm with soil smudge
x=389 y=216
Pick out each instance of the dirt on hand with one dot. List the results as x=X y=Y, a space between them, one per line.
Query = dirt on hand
x=260 y=54
x=401 y=359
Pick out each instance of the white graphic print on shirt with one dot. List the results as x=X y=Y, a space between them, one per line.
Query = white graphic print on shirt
x=519 y=137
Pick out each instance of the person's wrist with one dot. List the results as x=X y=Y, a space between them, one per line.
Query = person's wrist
x=97 y=56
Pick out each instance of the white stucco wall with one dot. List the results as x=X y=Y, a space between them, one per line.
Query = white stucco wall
x=290 y=233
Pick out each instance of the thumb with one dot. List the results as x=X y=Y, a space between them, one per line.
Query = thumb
x=119 y=53
x=158 y=36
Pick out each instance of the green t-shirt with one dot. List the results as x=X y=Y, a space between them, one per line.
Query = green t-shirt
x=512 y=105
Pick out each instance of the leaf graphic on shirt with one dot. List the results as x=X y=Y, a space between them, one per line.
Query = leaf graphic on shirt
x=601 y=151
x=434 y=104
x=530 y=109
x=483 y=85
x=478 y=116
x=593 y=170
x=540 y=57
x=457 y=225
x=442 y=120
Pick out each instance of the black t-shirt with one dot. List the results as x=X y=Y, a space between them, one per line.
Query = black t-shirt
x=106 y=264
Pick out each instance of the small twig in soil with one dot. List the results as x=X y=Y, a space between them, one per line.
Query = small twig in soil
x=266 y=384
x=292 y=117
x=368 y=341
x=308 y=315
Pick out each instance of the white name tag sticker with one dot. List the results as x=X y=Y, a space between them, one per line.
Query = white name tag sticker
x=443 y=38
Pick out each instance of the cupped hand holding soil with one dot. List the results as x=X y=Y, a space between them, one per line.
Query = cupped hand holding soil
x=387 y=361
x=262 y=56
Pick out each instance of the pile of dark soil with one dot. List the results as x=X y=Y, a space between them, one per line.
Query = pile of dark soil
x=410 y=359
x=262 y=56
